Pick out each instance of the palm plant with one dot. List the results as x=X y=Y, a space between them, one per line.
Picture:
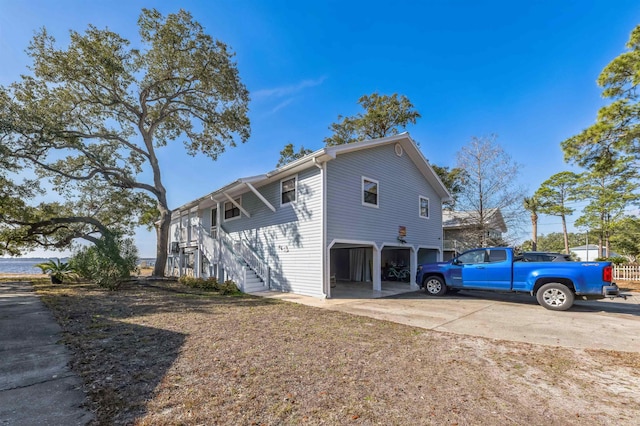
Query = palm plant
x=57 y=270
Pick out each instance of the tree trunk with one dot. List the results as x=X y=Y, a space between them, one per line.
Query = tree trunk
x=162 y=235
x=534 y=227
x=566 y=235
x=600 y=245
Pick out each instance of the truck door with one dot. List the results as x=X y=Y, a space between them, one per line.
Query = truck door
x=468 y=270
x=486 y=269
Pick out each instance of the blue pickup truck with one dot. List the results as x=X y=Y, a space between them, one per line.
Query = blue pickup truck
x=555 y=284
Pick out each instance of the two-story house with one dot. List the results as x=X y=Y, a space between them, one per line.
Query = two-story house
x=341 y=213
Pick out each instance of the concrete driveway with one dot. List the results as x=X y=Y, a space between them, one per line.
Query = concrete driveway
x=603 y=324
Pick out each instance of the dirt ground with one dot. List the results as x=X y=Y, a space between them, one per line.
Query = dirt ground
x=157 y=353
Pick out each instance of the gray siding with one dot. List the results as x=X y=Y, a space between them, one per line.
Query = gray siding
x=400 y=185
x=289 y=239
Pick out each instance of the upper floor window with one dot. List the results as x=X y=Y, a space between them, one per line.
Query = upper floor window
x=369 y=192
x=424 y=207
x=231 y=211
x=288 y=190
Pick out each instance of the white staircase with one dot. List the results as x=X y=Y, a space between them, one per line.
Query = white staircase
x=252 y=282
x=240 y=263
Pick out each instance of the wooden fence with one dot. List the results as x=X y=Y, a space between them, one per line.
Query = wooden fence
x=626 y=272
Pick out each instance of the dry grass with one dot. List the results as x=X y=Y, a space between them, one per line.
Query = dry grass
x=159 y=353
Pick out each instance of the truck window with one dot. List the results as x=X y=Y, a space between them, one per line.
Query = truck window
x=497 y=255
x=476 y=256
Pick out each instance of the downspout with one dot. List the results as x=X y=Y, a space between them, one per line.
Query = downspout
x=326 y=288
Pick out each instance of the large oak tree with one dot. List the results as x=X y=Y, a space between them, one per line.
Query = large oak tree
x=100 y=108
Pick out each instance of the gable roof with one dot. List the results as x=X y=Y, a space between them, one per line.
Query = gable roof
x=318 y=157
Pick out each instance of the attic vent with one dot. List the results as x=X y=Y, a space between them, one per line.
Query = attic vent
x=399 y=150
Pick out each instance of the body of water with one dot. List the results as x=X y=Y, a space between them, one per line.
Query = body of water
x=27 y=265
x=21 y=266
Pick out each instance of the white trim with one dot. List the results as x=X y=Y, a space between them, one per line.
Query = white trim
x=420 y=197
x=326 y=272
x=235 y=203
x=354 y=242
x=295 y=190
x=398 y=149
x=364 y=203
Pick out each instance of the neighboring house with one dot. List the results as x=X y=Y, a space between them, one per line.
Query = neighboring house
x=340 y=213
x=589 y=252
x=460 y=230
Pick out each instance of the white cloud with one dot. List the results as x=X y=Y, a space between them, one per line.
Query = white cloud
x=279 y=92
x=282 y=105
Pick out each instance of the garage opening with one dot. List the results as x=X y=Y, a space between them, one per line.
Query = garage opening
x=427 y=255
x=352 y=264
x=395 y=266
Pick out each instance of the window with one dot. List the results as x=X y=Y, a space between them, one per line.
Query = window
x=288 y=190
x=230 y=210
x=472 y=257
x=424 y=207
x=369 y=192
x=497 y=255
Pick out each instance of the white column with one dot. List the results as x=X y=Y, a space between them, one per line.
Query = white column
x=413 y=267
x=377 y=280
x=198 y=263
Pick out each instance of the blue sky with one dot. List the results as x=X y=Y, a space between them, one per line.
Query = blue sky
x=525 y=71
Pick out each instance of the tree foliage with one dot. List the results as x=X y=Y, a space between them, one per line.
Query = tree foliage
x=617 y=127
x=609 y=193
x=555 y=194
x=489 y=185
x=626 y=239
x=453 y=179
x=288 y=154
x=554 y=242
x=108 y=263
x=100 y=109
x=383 y=116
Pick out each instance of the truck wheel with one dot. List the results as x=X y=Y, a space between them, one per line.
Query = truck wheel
x=555 y=296
x=434 y=286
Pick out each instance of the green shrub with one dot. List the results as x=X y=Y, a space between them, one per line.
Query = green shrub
x=229 y=287
x=108 y=263
x=209 y=284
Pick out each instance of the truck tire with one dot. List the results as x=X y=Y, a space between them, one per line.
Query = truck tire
x=555 y=296
x=434 y=286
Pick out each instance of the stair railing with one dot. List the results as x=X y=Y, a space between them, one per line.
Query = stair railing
x=250 y=257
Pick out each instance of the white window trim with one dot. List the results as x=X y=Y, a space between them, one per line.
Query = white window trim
x=239 y=201
x=296 y=190
x=364 y=203
x=420 y=198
